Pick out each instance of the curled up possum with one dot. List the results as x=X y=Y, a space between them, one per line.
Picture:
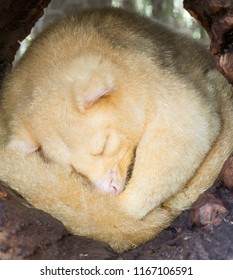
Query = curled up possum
x=114 y=124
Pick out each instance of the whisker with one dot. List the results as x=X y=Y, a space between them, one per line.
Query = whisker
x=130 y=167
x=122 y=162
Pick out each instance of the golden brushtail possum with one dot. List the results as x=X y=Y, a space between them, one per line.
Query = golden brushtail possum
x=98 y=91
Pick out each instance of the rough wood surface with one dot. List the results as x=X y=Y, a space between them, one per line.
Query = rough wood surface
x=28 y=233
x=16 y=21
x=216 y=16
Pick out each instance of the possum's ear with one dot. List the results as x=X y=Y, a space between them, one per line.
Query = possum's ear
x=91 y=99
x=21 y=140
x=87 y=99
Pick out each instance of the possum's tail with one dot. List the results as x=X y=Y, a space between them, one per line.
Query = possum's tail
x=211 y=166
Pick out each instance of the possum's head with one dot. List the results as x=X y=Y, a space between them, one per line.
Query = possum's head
x=85 y=118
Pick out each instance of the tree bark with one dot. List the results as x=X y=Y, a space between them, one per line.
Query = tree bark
x=16 y=21
x=216 y=16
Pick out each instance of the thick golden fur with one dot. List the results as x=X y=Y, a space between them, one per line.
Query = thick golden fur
x=91 y=90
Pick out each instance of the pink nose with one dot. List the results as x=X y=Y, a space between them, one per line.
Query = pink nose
x=115 y=190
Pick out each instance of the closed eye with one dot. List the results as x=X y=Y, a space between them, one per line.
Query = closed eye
x=100 y=152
